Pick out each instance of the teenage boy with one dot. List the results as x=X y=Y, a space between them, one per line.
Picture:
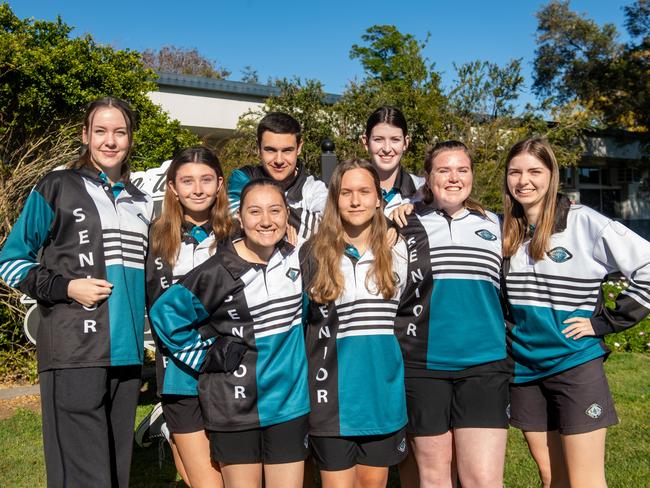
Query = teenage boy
x=279 y=144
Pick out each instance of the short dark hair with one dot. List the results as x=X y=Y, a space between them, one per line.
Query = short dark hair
x=387 y=115
x=278 y=123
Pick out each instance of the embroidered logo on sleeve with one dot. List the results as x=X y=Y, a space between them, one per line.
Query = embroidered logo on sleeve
x=559 y=254
x=486 y=234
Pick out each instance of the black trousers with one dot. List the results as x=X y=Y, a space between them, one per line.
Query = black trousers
x=88 y=419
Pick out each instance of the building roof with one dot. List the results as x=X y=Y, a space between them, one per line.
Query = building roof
x=254 y=90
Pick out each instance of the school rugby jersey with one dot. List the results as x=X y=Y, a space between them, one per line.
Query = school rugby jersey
x=85 y=231
x=405 y=190
x=450 y=316
x=173 y=377
x=567 y=283
x=260 y=305
x=356 y=372
x=306 y=197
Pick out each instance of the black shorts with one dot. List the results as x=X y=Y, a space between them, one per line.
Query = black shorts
x=338 y=453
x=276 y=444
x=476 y=397
x=574 y=401
x=182 y=414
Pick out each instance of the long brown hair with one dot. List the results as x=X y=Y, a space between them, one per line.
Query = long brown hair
x=91 y=110
x=515 y=225
x=432 y=154
x=329 y=243
x=166 y=231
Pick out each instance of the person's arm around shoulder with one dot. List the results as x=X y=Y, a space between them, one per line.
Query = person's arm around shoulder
x=236 y=182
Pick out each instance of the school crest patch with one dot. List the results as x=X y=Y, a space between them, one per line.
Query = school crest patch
x=559 y=254
x=594 y=411
x=402 y=445
x=486 y=234
x=293 y=274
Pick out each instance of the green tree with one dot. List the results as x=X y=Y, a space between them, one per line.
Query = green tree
x=47 y=77
x=396 y=73
x=578 y=60
x=172 y=59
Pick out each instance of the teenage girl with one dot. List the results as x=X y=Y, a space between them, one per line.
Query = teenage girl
x=451 y=329
x=194 y=217
x=91 y=225
x=354 y=279
x=559 y=254
x=386 y=139
x=238 y=319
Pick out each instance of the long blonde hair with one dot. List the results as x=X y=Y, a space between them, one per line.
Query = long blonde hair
x=515 y=225
x=329 y=243
x=166 y=231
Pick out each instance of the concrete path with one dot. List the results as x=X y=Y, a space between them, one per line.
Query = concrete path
x=9 y=393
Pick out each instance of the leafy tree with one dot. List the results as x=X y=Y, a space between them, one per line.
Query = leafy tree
x=47 y=78
x=249 y=75
x=578 y=60
x=396 y=73
x=172 y=59
x=306 y=101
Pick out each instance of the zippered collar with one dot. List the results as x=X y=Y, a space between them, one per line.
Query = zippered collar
x=294 y=190
x=404 y=183
x=93 y=175
x=423 y=209
x=237 y=266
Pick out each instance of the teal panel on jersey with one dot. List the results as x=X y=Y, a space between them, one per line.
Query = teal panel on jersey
x=458 y=310
x=174 y=317
x=539 y=347
x=279 y=357
x=371 y=385
x=179 y=379
x=126 y=314
x=27 y=236
x=236 y=183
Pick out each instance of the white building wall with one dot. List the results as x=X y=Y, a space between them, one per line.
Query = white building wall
x=204 y=112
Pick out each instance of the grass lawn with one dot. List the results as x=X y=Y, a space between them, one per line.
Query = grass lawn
x=628 y=444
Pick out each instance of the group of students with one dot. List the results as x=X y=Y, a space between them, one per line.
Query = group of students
x=385 y=319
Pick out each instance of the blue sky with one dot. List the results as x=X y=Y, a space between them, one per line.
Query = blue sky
x=313 y=39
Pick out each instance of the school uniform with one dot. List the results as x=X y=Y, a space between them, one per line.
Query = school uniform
x=450 y=322
x=405 y=190
x=584 y=248
x=259 y=306
x=89 y=358
x=175 y=384
x=356 y=374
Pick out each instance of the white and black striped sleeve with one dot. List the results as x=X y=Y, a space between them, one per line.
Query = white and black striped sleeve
x=620 y=249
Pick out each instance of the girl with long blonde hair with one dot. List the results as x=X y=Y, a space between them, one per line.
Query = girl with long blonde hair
x=354 y=278
x=558 y=254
